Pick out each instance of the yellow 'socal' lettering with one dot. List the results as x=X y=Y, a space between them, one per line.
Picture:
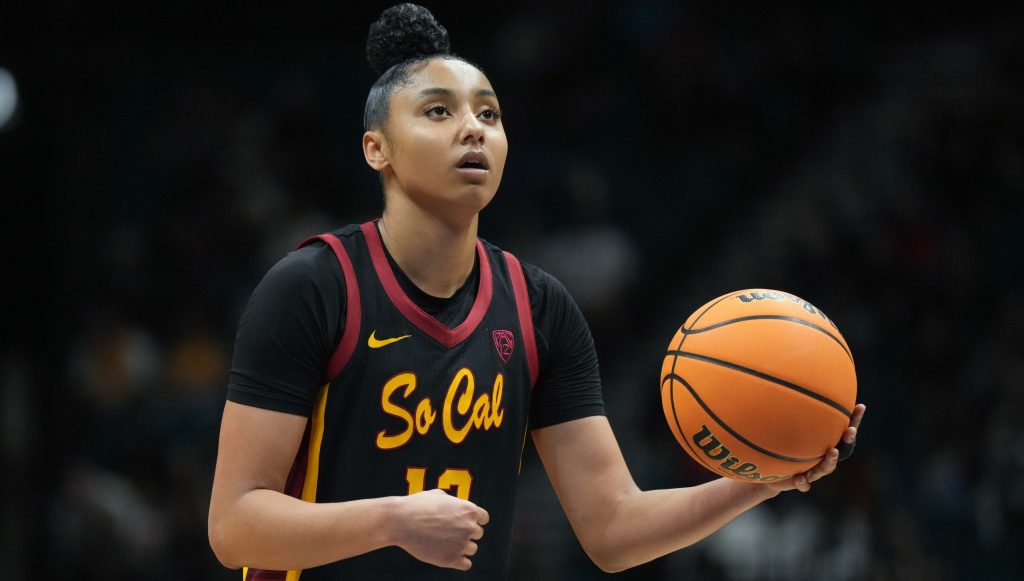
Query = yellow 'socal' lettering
x=425 y=416
x=496 y=413
x=457 y=435
x=408 y=381
x=486 y=410
x=463 y=410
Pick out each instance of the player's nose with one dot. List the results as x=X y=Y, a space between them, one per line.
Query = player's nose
x=471 y=129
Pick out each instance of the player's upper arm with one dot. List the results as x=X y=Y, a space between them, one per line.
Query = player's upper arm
x=588 y=473
x=287 y=333
x=257 y=448
x=256 y=451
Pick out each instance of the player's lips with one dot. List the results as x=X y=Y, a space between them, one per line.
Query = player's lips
x=473 y=165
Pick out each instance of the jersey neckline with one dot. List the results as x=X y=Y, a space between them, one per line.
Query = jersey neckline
x=449 y=337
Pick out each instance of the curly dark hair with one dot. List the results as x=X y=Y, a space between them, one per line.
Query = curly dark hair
x=404 y=32
x=400 y=42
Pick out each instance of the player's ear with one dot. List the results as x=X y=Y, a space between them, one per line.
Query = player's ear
x=375 y=149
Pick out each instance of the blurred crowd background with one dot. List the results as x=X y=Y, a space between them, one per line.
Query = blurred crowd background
x=868 y=157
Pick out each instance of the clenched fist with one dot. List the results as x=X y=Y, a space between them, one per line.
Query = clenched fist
x=439 y=529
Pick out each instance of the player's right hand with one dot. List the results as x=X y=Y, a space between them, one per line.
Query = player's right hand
x=439 y=529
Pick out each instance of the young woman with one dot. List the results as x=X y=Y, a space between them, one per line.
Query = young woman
x=386 y=375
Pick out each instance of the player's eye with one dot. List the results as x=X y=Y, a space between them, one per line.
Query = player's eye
x=437 y=111
x=490 y=115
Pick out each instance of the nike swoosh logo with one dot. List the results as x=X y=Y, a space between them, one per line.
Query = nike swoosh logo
x=376 y=343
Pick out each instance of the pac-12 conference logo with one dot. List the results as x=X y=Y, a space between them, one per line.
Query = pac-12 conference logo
x=505 y=343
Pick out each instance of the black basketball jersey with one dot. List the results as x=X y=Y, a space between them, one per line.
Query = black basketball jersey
x=410 y=404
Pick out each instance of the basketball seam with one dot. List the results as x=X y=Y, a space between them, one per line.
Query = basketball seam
x=709 y=307
x=759 y=374
x=675 y=416
x=729 y=429
x=693 y=331
x=672 y=391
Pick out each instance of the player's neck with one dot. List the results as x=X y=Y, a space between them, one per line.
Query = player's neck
x=435 y=254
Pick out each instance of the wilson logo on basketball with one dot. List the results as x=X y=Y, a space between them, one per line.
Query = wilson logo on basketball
x=715 y=450
x=777 y=296
x=504 y=342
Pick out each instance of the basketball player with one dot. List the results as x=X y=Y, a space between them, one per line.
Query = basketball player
x=386 y=375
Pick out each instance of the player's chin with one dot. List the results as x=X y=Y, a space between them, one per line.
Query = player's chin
x=474 y=197
x=460 y=206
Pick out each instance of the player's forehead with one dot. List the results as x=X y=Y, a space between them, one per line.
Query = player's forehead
x=462 y=79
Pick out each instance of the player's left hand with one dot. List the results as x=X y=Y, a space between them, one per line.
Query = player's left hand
x=802 y=481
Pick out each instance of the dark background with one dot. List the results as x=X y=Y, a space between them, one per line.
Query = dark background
x=868 y=157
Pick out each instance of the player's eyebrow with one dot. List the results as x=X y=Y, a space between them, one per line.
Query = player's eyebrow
x=486 y=93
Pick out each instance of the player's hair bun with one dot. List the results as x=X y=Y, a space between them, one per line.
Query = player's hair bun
x=404 y=32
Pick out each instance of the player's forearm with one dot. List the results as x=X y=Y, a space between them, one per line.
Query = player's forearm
x=646 y=525
x=269 y=530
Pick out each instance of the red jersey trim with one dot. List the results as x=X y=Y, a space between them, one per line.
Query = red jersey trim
x=515 y=270
x=413 y=313
x=353 y=307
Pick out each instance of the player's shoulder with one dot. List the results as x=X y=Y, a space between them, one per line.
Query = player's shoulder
x=311 y=263
x=349 y=232
x=541 y=280
x=540 y=283
x=313 y=252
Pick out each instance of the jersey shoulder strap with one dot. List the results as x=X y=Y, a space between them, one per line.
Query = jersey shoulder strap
x=353 y=307
x=515 y=270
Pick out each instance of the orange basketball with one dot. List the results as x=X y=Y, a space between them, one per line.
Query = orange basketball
x=758 y=385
